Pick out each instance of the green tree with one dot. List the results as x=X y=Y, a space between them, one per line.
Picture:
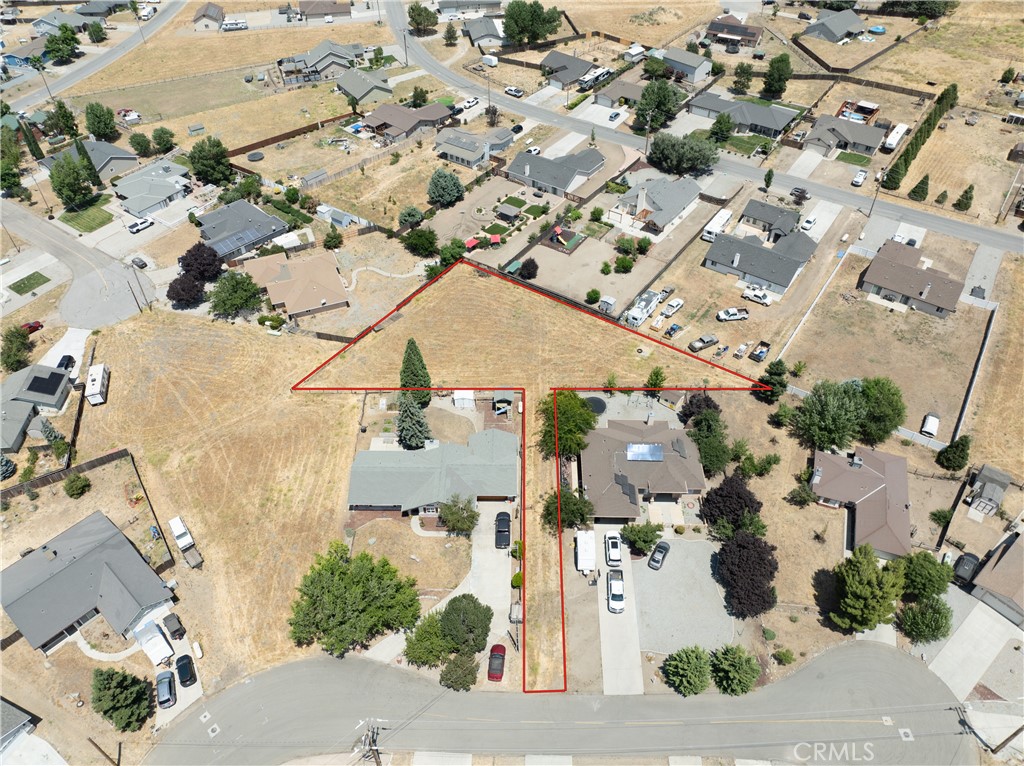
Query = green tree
x=419 y=97
x=291 y=195
x=642 y=537
x=779 y=71
x=421 y=242
x=688 y=670
x=711 y=437
x=185 y=290
x=163 y=140
x=202 y=263
x=776 y=375
x=692 y=47
x=62 y=45
x=655 y=382
x=85 y=160
x=29 y=137
x=458 y=514
x=929 y=619
x=15 y=350
x=575 y=420
x=884 y=410
x=10 y=160
x=655 y=68
x=722 y=128
x=466 y=623
x=659 y=102
x=570 y=509
x=530 y=22
x=769 y=176
x=965 y=200
x=679 y=155
x=234 y=292
x=596 y=214
x=333 y=238
x=459 y=673
x=449 y=254
x=955 y=456
x=427 y=646
x=831 y=415
x=1007 y=76
x=121 y=698
x=70 y=182
x=7 y=468
x=61 y=120
x=99 y=120
x=744 y=74
x=346 y=601
x=96 y=32
x=140 y=144
x=451 y=35
x=414 y=373
x=410 y=216
x=925 y=576
x=445 y=189
x=734 y=670
x=920 y=191
x=593 y=296
x=943 y=196
x=411 y=424
x=209 y=159
x=76 y=485
x=867 y=592
x=5 y=108
x=421 y=18
x=353 y=104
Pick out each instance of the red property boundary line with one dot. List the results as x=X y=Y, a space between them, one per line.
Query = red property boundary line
x=301 y=386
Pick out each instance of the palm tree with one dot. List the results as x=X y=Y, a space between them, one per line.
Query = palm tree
x=37 y=63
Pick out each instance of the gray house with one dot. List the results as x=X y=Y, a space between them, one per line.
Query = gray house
x=655 y=205
x=831 y=133
x=239 y=227
x=486 y=31
x=772 y=268
x=988 y=488
x=325 y=62
x=461 y=6
x=50 y=24
x=153 y=188
x=775 y=221
x=13 y=721
x=88 y=570
x=396 y=122
x=895 y=275
x=418 y=481
x=999 y=583
x=207 y=16
x=365 y=86
x=15 y=418
x=564 y=70
x=108 y=159
x=558 y=175
x=687 y=66
x=101 y=8
x=834 y=26
x=471 y=149
x=770 y=121
x=45 y=387
x=619 y=92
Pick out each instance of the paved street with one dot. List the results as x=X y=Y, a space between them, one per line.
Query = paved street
x=320 y=705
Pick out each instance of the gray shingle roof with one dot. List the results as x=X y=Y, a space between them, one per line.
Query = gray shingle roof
x=38 y=384
x=779 y=219
x=761 y=262
x=151 y=185
x=684 y=58
x=828 y=130
x=730 y=25
x=564 y=68
x=100 y=152
x=558 y=172
x=477 y=29
x=55 y=19
x=90 y=565
x=210 y=11
x=12 y=718
x=237 y=226
x=774 y=117
x=13 y=421
x=896 y=267
x=834 y=26
x=664 y=199
x=355 y=82
x=487 y=466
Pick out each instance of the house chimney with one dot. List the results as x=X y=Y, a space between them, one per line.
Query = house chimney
x=927 y=287
x=735 y=260
x=641 y=200
x=526 y=170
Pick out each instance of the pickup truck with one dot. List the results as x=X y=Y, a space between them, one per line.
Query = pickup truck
x=186 y=544
x=760 y=351
x=757 y=296
x=732 y=315
x=671 y=331
x=703 y=342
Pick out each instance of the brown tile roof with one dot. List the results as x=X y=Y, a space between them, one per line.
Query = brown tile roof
x=896 y=267
x=402 y=119
x=1002 y=572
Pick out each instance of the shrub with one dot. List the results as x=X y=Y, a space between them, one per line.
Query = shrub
x=941 y=199
x=517 y=580
x=930 y=619
x=121 y=698
x=623 y=264
x=7 y=467
x=606 y=268
x=769 y=635
x=77 y=485
x=955 y=456
x=688 y=670
x=426 y=646
x=941 y=517
x=460 y=672
x=965 y=200
x=593 y=296
x=734 y=670
x=291 y=195
x=529 y=269
x=784 y=657
x=641 y=537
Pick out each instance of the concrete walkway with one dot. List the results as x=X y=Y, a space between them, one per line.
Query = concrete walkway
x=407 y=76
x=968 y=653
x=419 y=271
x=88 y=651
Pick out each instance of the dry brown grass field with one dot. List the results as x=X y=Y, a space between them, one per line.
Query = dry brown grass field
x=854 y=52
x=649 y=23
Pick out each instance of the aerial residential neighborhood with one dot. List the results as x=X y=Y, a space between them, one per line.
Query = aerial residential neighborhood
x=487 y=381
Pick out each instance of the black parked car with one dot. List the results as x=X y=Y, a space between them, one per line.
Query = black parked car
x=804 y=16
x=67 y=362
x=517 y=128
x=186 y=670
x=502 y=530
x=174 y=626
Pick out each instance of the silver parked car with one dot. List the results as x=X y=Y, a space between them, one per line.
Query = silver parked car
x=616 y=592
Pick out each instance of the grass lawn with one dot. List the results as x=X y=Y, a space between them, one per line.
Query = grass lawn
x=29 y=283
x=763 y=102
x=747 y=144
x=184 y=161
x=595 y=230
x=91 y=217
x=496 y=228
x=861 y=160
x=514 y=202
x=701 y=133
x=387 y=60
x=534 y=211
x=446 y=100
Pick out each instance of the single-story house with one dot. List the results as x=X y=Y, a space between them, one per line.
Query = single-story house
x=325 y=62
x=654 y=205
x=558 y=175
x=1016 y=154
x=629 y=462
x=108 y=159
x=895 y=275
x=999 y=583
x=45 y=387
x=769 y=121
x=830 y=133
x=461 y=6
x=51 y=23
x=834 y=26
x=88 y=570
x=418 y=481
x=728 y=30
x=687 y=66
x=208 y=16
x=11 y=122
x=987 y=489
x=318 y=9
x=471 y=149
x=619 y=92
x=239 y=227
x=153 y=188
x=366 y=87
x=300 y=286
x=772 y=268
x=635 y=53
x=15 y=418
x=563 y=70
x=486 y=31
x=873 y=487
x=397 y=122
x=101 y=8
x=13 y=722
x=21 y=55
x=775 y=221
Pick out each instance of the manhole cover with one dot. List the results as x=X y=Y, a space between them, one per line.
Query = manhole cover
x=254 y=156
x=597 y=404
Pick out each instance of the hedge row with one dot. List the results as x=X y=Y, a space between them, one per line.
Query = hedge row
x=946 y=101
x=284 y=207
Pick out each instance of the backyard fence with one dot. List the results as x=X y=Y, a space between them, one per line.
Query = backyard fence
x=62 y=473
x=313 y=126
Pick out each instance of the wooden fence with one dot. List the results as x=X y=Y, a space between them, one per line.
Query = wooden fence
x=802 y=47
x=313 y=126
x=62 y=473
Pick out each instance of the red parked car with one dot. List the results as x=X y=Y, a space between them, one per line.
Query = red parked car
x=496 y=664
x=32 y=327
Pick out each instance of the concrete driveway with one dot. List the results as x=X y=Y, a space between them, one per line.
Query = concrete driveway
x=546 y=96
x=983 y=270
x=491 y=572
x=681 y=604
x=877 y=230
x=186 y=695
x=826 y=214
x=73 y=342
x=620 y=636
x=685 y=123
x=599 y=115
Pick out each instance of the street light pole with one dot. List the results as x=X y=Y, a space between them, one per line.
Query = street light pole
x=40 y=67
x=878 y=188
x=405 y=39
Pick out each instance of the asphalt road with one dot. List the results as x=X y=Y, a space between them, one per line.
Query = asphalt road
x=103 y=290
x=985 y=235
x=861 y=699
x=165 y=12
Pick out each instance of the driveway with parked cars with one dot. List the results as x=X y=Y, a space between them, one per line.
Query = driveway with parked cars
x=186 y=695
x=491 y=574
x=620 y=639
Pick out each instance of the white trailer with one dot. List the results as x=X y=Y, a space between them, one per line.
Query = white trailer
x=895 y=136
x=644 y=307
x=586 y=551
x=153 y=643
x=716 y=225
x=607 y=304
x=96 y=384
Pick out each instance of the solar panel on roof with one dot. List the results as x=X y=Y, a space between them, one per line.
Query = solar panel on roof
x=47 y=386
x=645 y=453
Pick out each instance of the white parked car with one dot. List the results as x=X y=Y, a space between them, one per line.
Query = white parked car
x=612 y=549
x=469 y=103
x=808 y=223
x=143 y=223
x=616 y=592
x=672 y=307
x=860 y=178
x=533 y=150
x=328 y=19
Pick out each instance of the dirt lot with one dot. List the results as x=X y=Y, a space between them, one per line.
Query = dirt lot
x=854 y=52
x=865 y=339
x=651 y=25
x=894 y=107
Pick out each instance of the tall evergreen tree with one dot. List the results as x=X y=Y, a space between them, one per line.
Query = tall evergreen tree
x=30 y=141
x=411 y=424
x=414 y=373
x=920 y=191
x=867 y=593
x=776 y=375
x=87 y=164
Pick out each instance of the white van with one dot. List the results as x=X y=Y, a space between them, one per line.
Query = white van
x=146 y=13
x=930 y=426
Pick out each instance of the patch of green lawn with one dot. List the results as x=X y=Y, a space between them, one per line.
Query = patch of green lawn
x=747 y=144
x=534 y=211
x=29 y=283
x=514 y=202
x=447 y=100
x=595 y=230
x=90 y=217
x=496 y=228
x=386 y=61
x=861 y=160
x=184 y=161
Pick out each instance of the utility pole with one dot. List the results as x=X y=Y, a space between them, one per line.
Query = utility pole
x=878 y=188
x=647 y=134
x=405 y=39
x=369 y=742
x=49 y=209
x=10 y=237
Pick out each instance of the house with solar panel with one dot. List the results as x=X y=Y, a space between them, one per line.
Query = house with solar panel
x=630 y=463
x=238 y=228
